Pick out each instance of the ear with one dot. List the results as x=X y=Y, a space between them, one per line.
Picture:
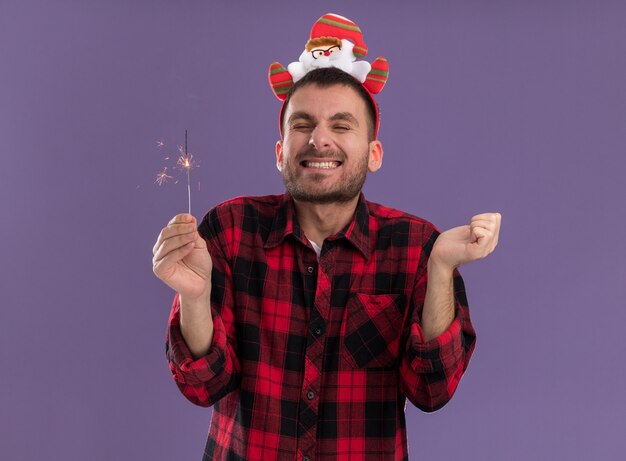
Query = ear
x=279 y=155
x=375 y=159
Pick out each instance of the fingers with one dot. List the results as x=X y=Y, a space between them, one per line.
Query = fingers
x=497 y=231
x=182 y=218
x=485 y=230
x=178 y=225
x=479 y=234
x=173 y=231
x=172 y=244
x=164 y=262
x=489 y=221
x=487 y=216
x=175 y=241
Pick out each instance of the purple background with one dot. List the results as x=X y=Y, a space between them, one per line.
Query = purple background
x=509 y=106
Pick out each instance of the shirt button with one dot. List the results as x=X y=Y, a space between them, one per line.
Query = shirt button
x=306 y=458
x=310 y=269
x=310 y=395
x=318 y=331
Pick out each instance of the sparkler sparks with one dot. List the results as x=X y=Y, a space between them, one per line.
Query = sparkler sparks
x=185 y=160
x=184 y=163
x=162 y=177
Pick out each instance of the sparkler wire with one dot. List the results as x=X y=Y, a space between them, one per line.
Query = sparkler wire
x=188 y=168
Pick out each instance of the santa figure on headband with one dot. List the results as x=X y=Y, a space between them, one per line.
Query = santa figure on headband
x=335 y=41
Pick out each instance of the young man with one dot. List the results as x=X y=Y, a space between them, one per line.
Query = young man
x=308 y=318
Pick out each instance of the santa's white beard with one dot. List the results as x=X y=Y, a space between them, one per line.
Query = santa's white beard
x=322 y=61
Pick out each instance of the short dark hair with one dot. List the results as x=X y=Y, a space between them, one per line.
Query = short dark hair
x=329 y=76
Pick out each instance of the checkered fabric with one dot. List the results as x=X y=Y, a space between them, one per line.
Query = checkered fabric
x=314 y=359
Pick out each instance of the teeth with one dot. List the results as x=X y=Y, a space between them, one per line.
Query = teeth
x=321 y=164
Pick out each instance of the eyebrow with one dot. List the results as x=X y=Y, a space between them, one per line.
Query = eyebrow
x=346 y=116
x=300 y=115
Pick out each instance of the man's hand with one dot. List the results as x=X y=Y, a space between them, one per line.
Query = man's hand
x=182 y=261
x=181 y=258
x=464 y=244
x=454 y=247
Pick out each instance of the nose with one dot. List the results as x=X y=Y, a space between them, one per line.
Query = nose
x=320 y=138
x=326 y=53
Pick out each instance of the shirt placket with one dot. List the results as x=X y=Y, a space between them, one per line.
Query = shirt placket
x=313 y=361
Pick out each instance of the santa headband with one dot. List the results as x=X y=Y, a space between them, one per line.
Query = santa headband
x=334 y=41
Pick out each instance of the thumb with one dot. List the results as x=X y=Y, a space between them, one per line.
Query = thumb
x=478 y=234
x=199 y=242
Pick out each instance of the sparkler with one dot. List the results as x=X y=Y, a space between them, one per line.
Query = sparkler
x=185 y=162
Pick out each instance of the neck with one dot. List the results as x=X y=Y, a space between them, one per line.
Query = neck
x=319 y=221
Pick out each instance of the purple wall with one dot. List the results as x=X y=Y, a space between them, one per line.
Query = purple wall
x=509 y=106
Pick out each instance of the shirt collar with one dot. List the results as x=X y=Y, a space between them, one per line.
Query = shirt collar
x=286 y=223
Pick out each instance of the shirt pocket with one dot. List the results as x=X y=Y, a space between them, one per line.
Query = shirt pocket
x=371 y=330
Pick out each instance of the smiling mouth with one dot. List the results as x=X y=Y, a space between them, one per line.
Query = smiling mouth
x=327 y=165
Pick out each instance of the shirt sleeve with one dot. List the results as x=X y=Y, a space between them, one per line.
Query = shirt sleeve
x=430 y=371
x=205 y=380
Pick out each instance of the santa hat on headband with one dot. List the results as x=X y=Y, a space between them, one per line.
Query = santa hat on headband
x=334 y=41
x=333 y=25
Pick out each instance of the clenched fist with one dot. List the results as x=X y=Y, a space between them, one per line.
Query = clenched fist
x=181 y=258
x=464 y=244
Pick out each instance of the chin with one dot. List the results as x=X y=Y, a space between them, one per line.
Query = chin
x=323 y=199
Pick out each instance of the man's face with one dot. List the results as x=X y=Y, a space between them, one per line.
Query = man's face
x=324 y=155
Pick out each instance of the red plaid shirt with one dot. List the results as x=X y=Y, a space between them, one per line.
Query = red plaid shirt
x=313 y=359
